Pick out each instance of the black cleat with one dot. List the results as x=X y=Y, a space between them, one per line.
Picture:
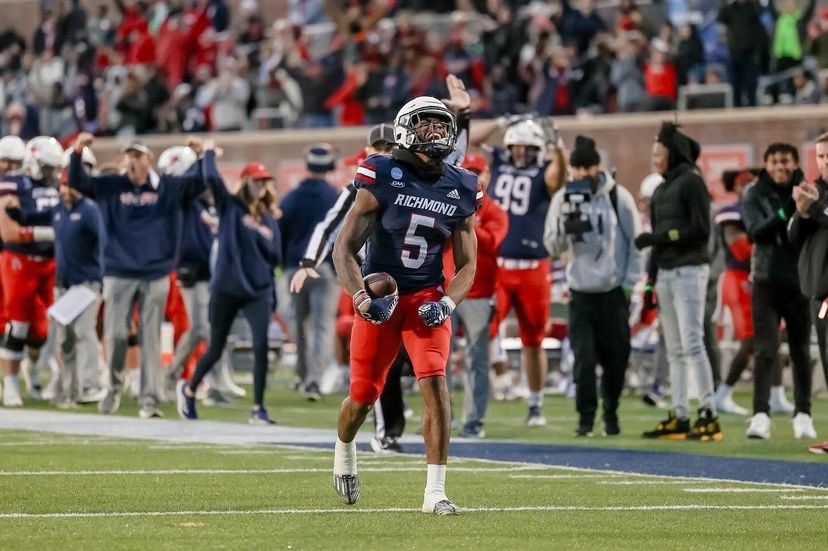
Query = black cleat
x=347 y=487
x=442 y=508
x=671 y=428
x=706 y=428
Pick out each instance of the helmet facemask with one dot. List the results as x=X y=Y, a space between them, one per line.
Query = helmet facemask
x=429 y=131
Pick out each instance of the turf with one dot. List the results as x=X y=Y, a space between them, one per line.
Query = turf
x=506 y=421
x=266 y=507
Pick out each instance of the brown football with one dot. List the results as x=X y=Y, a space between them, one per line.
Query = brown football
x=380 y=285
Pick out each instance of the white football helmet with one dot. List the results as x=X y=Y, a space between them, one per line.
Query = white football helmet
x=175 y=161
x=405 y=123
x=87 y=157
x=529 y=134
x=12 y=148
x=44 y=155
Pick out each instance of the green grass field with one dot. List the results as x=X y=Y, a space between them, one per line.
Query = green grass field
x=63 y=491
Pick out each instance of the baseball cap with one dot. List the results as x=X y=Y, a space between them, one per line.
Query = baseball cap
x=256 y=171
x=320 y=158
x=137 y=146
x=476 y=163
x=381 y=133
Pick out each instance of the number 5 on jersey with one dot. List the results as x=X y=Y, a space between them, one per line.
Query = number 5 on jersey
x=416 y=244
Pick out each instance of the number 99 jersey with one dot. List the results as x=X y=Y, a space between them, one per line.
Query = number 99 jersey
x=416 y=216
x=522 y=193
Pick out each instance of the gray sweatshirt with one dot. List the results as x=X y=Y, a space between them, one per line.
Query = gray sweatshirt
x=607 y=257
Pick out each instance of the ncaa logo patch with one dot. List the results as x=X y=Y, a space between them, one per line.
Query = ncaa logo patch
x=396 y=173
x=397 y=183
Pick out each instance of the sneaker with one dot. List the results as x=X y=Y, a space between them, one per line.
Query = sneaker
x=655 y=397
x=819 y=448
x=260 y=418
x=186 y=405
x=671 y=428
x=31 y=379
x=444 y=507
x=386 y=445
x=803 y=426
x=706 y=428
x=760 y=427
x=584 y=428
x=779 y=402
x=473 y=429
x=236 y=390
x=535 y=417
x=11 y=396
x=110 y=403
x=150 y=412
x=311 y=392
x=92 y=396
x=347 y=487
x=725 y=403
x=216 y=398
x=611 y=427
x=65 y=404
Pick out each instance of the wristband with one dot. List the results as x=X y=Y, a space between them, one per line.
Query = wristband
x=43 y=233
x=782 y=215
x=673 y=235
x=648 y=287
x=307 y=263
x=360 y=297
x=448 y=302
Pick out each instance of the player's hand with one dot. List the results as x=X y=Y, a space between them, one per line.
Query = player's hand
x=377 y=310
x=459 y=99
x=298 y=279
x=436 y=313
x=645 y=240
x=84 y=139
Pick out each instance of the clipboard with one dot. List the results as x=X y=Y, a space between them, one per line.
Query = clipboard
x=70 y=305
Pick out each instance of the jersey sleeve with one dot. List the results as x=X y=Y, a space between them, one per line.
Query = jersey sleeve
x=8 y=187
x=728 y=215
x=374 y=175
x=366 y=174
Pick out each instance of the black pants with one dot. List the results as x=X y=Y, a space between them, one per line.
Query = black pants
x=711 y=345
x=771 y=303
x=390 y=415
x=599 y=333
x=223 y=311
x=744 y=76
x=821 y=326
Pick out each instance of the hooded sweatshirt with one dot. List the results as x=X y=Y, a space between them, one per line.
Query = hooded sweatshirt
x=607 y=257
x=680 y=207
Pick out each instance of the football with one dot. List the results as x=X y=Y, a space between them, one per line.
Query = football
x=379 y=285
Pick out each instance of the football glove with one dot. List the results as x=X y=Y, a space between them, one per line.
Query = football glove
x=378 y=310
x=436 y=313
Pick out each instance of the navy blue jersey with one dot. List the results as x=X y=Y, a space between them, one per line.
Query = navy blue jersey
x=416 y=216
x=198 y=231
x=731 y=214
x=34 y=200
x=523 y=194
x=80 y=239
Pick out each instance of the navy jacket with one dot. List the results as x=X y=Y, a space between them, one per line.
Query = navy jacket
x=142 y=222
x=303 y=208
x=198 y=231
x=248 y=251
x=80 y=239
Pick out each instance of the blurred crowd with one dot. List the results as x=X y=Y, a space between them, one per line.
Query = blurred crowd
x=145 y=67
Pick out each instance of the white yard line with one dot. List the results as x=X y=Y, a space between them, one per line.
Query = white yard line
x=739 y=490
x=556 y=476
x=253 y=471
x=803 y=497
x=538 y=508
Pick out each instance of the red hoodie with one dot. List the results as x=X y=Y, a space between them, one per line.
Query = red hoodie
x=490 y=225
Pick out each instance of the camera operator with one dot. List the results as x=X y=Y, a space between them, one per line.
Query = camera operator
x=596 y=220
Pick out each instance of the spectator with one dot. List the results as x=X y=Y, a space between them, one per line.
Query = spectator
x=660 y=78
x=226 y=98
x=766 y=208
x=806 y=91
x=744 y=30
x=627 y=78
x=818 y=41
x=680 y=216
x=314 y=305
x=789 y=33
x=141 y=210
x=580 y=24
x=689 y=55
x=599 y=330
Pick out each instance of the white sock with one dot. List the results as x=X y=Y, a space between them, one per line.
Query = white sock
x=778 y=393
x=435 y=489
x=345 y=458
x=725 y=390
x=535 y=398
x=10 y=381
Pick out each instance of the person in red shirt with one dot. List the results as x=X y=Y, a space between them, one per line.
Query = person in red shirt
x=490 y=226
x=660 y=78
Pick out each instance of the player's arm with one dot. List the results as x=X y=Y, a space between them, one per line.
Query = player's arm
x=13 y=232
x=555 y=174
x=464 y=247
x=737 y=241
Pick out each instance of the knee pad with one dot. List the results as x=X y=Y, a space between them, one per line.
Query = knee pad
x=14 y=339
x=364 y=392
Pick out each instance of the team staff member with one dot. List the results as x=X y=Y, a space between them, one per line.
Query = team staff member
x=141 y=211
x=767 y=208
x=249 y=249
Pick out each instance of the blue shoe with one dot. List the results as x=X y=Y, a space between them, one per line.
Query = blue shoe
x=185 y=404
x=473 y=429
x=260 y=417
